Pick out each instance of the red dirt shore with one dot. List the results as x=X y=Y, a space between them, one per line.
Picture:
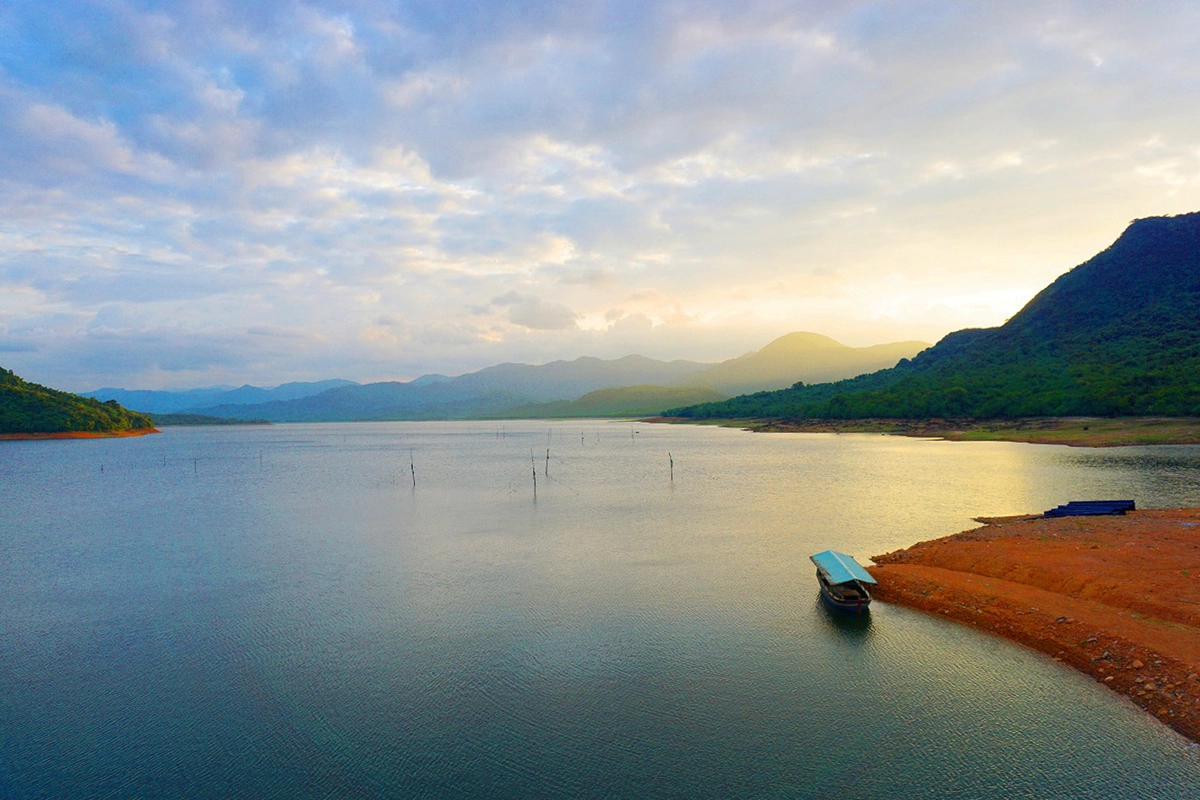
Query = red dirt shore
x=1115 y=597
x=79 y=435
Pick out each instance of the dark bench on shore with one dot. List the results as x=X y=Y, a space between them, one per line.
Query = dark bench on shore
x=1091 y=508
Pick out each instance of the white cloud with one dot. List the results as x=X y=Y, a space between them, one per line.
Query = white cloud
x=535 y=313
x=202 y=183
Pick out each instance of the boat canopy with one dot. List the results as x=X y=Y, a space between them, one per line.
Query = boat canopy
x=840 y=568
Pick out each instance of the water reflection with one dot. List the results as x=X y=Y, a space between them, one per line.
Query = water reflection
x=844 y=625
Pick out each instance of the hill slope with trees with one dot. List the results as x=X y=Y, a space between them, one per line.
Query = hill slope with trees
x=1116 y=336
x=29 y=408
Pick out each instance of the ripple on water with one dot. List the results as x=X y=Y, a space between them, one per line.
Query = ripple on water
x=196 y=622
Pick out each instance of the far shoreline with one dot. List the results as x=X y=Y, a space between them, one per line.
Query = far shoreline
x=79 y=434
x=1070 y=431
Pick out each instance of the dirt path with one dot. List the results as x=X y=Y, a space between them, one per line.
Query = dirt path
x=1116 y=597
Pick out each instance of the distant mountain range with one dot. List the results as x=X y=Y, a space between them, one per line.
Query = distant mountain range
x=625 y=401
x=512 y=388
x=167 y=402
x=1116 y=336
x=807 y=357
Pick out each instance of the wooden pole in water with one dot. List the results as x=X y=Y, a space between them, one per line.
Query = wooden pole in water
x=672 y=465
x=534 y=465
x=547 y=462
x=412 y=467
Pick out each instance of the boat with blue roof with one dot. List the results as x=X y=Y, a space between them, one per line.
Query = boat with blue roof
x=843 y=581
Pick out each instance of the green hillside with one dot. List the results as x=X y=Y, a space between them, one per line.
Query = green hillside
x=626 y=401
x=1117 y=336
x=30 y=408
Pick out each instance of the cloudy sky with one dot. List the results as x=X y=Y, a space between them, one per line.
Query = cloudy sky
x=219 y=191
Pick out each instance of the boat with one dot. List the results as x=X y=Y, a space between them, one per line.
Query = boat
x=1092 y=508
x=843 y=581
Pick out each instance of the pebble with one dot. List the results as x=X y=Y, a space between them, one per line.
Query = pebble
x=1109 y=678
x=1137 y=664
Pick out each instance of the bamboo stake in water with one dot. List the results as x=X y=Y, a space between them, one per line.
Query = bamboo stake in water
x=672 y=466
x=412 y=467
x=547 y=462
x=534 y=465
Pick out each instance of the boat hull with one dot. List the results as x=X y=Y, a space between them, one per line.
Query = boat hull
x=859 y=603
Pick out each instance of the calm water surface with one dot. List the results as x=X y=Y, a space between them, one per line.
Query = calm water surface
x=279 y=612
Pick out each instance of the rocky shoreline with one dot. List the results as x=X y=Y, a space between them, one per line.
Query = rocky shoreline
x=1113 y=597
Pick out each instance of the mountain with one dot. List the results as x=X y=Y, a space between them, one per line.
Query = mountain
x=625 y=401
x=174 y=402
x=31 y=408
x=488 y=392
x=1119 y=335
x=507 y=389
x=800 y=356
x=512 y=388
x=158 y=402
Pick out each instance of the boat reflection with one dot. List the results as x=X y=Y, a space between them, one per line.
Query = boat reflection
x=849 y=627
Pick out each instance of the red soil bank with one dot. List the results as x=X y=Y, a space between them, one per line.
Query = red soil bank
x=1115 y=597
x=79 y=434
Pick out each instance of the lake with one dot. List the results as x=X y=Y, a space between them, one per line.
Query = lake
x=280 y=612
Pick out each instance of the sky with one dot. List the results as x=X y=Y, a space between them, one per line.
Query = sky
x=220 y=192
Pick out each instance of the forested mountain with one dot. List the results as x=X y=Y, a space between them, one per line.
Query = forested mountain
x=1117 y=336
x=31 y=408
